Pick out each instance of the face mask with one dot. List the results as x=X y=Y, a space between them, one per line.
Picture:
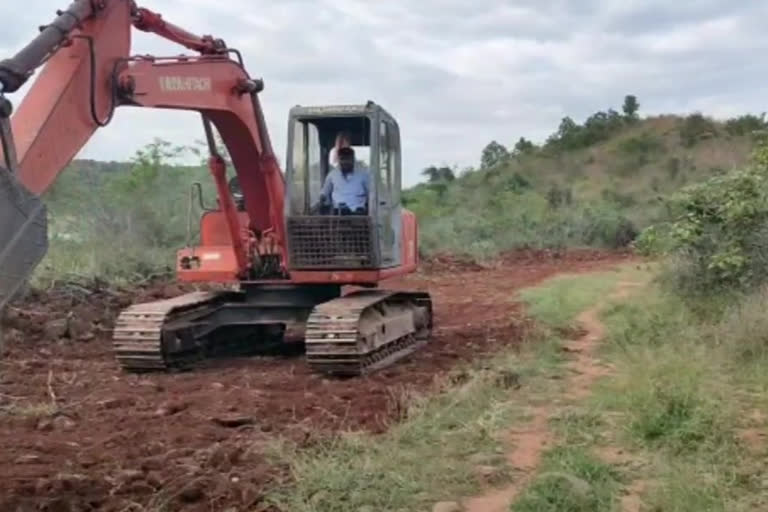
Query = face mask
x=346 y=165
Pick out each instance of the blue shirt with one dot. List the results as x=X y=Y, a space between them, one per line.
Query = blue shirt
x=351 y=189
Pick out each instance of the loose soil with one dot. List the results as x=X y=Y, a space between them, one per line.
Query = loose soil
x=76 y=433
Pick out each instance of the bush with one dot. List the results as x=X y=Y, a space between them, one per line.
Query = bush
x=137 y=216
x=745 y=125
x=696 y=127
x=719 y=232
x=641 y=145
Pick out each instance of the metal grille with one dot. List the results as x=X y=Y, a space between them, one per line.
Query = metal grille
x=338 y=242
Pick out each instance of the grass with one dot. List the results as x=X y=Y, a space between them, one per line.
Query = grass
x=688 y=381
x=557 y=302
x=433 y=455
x=571 y=480
x=681 y=392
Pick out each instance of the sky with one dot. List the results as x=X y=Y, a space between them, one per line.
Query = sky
x=456 y=74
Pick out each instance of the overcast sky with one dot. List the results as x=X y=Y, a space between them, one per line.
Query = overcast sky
x=457 y=74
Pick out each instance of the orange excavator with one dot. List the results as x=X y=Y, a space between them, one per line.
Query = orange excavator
x=283 y=261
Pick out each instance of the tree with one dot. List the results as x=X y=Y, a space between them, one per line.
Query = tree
x=630 y=108
x=493 y=155
x=523 y=146
x=438 y=174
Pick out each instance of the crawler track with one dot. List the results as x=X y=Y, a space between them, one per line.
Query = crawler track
x=138 y=339
x=366 y=331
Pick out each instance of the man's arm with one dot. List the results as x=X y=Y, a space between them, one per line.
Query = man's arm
x=325 y=192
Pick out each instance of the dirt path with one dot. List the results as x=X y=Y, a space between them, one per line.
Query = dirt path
x=528 y=443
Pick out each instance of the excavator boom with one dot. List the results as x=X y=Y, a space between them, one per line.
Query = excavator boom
x=87 y=72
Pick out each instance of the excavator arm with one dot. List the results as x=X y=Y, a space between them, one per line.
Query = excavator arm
x=87 y=73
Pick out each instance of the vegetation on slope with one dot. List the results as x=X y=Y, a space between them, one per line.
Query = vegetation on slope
x=591 y=184
x=124 y=220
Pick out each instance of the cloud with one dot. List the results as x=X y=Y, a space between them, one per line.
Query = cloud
x=458 y=74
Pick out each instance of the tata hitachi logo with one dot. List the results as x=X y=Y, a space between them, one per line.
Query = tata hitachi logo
x=185 y=83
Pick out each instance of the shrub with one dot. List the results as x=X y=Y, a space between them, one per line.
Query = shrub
x=641 y=145
x=719 y=231
x=696 y=127
x=745 y=125
x=673 y=168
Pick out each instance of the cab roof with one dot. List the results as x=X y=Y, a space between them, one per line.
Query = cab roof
x=359 y=110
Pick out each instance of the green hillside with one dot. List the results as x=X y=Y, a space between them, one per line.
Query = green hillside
x=592 y=184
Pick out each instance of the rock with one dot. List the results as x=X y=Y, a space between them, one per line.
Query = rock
x=71 y=480
x=485 y=471
x=137 y=489
x=85 y=314
x=116 y=403
x=55 y=329
x=80 y=330
x=193 y=492
x=447 y=506
x=154 y=480
x=87 y=461
x=12 y=336
x=129 y=475
x=233 y=421
x=217 y=385
x=28 y=459
x=153 y=464
x=508 y=379
x=170 y=409
x=64 y=423
x=151 y=384
x=480 y=458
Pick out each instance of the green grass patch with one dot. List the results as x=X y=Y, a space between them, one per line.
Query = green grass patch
x=558 y=301
x=684 y=385
x=571 y=480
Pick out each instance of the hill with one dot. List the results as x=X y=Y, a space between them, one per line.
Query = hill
x=594 y=184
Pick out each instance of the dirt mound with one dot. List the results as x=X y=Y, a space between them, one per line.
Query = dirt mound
x=76 y=433
x=77 y=311
x=451 y=263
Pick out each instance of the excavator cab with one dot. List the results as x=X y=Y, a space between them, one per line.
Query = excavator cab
x=322 y=238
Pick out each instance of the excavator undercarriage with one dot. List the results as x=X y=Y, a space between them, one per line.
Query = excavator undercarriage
x=346 y=336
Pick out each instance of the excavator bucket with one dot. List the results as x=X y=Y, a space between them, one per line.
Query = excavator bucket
x=23 y=234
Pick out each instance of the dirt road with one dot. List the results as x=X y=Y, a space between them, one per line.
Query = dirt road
x=193 y=441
